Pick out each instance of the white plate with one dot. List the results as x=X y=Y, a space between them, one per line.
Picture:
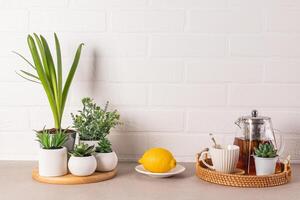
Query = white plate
x=177 y=170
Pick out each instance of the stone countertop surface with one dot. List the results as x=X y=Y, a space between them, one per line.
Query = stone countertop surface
x=16 y=183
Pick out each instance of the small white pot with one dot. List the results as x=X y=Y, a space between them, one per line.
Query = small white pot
x=106 y=161
x=53 y=162
x=265 y=166
x=82 y=166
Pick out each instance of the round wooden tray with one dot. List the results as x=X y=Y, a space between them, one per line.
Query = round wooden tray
x=250 y=181
x=70 y=179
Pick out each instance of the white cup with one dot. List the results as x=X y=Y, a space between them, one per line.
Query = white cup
x=224 y=159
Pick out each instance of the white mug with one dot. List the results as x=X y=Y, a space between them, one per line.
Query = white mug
x=224 y=159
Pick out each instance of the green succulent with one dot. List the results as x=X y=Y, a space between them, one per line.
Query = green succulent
x=52 y=140
x=82 y=150
x=104 y=146
x=266 y=150
x=94 y=122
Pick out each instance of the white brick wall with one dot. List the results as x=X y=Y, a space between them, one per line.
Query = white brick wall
x=176 y=69
x=180 y=46
x=18 y=20
x=148 y=21
x=267 y=45
x=225 y=21
x=188 y=95
x=43 y=21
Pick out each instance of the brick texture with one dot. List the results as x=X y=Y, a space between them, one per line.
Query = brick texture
x=175 y=69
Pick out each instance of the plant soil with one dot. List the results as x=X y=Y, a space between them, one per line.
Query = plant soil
x=54 y=130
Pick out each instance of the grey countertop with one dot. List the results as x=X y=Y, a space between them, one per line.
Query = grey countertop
x=16 y=184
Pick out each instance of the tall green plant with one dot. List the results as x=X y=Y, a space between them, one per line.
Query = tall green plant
x=48 y=75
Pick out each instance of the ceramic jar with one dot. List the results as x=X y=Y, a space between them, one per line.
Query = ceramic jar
x=82 y=166
x=53 y=162
x=265 y=166
x=106 y=161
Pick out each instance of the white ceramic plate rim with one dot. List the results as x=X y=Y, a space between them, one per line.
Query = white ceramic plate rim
x=142 y=170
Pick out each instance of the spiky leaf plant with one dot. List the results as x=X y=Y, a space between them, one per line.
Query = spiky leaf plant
x=49 y=140
x=104 y=146
x=82 y=150
x=266 y=150
x=94 y=122
x=50 y=76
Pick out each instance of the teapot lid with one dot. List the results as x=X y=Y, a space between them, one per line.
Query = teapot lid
x=254 y=117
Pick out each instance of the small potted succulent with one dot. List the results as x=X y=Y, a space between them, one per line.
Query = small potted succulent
x=265 y=159
x=52 y=154
x=82 y=162
x=93 y=122
x=107 y=159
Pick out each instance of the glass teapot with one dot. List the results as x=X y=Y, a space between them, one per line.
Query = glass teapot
x=252 y=131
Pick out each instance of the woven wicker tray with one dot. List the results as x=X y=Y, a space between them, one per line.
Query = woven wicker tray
x=250 y=181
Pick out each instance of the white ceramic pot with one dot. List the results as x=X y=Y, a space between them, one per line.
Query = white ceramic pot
x=265 y=166
x=106 y=161
x=82 y=166
x=53 y=162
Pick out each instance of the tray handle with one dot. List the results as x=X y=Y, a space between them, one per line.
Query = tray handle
x=199 y=154
x=287 y=167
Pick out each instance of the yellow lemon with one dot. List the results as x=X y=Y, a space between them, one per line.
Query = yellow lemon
x=158 y=160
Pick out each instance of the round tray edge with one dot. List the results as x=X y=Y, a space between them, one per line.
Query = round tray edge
x=237 y=180
x=70 y=179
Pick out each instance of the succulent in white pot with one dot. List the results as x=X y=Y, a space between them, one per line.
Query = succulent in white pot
x=93 y=122
x=82 y=162
x=107 y=159
x=265 y=157
x=52 y=154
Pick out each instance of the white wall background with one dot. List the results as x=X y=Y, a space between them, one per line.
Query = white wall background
x=176 y=69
